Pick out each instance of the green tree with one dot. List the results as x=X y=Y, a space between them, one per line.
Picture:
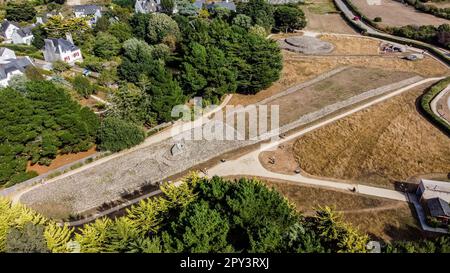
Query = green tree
x=39 y=34
x=161 y=28
x=243 y=21
x=167 y=6
x=29 y=239
x=164 y=93
x=208 y=72
x=261 y=65
x=60 y=66
x=106 y=45
x=20 y=11
x=288 y=19
x=116 y=134
x=131 y=103
x=83 y=86
x=102 y=24
x=198 y=229
x=260 y=11
x=122 y=31
x=140 y=24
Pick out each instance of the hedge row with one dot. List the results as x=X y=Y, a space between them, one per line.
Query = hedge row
x=430 y=9
x=426 y=99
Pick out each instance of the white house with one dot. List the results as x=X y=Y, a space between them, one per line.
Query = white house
x=93 y=12
x=7 y=29
x=10 y=66
x=62 y=50
x=23 y=35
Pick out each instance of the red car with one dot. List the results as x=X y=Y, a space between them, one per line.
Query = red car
x=356 y=18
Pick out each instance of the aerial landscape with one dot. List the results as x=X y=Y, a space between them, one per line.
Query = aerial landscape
x=234 y=126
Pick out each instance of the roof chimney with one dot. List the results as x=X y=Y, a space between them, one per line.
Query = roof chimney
x=69 y=37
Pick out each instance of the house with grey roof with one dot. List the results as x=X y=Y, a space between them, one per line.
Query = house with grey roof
x=7 y=29
x=11 y=66
x=62 y=50
x=23 y=35
x=92 y=12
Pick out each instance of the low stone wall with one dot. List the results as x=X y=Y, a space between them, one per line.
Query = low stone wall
x=355 y=99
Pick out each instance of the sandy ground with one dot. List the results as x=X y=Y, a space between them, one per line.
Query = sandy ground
x=383 y=144
x=396 y=14
x=60 y=160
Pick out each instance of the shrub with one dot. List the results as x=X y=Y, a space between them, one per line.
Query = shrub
x=117 y=134
x=60 y=66
x=83 y=86
x=377 y=19
x=428 y=97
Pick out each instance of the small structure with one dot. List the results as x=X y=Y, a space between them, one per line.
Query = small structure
x=7 y=29
x=62 y=50
x=23 y=35
x=177 y=148
x=439 y=209
x=93 y=12
x=10 y=66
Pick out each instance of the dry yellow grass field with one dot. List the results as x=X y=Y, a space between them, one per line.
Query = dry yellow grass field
x=385 y=143
x=298 y=68
x=380 y=218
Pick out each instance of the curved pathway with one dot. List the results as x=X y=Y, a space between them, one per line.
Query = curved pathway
x=250 y=165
